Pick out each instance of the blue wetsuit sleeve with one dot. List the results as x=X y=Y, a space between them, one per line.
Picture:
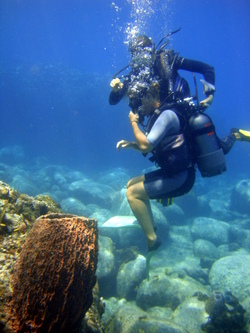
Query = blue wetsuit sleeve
x=166 y=123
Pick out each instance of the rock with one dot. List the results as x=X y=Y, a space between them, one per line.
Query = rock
x=24 y=185
x=211 y=230
x=204 y=248
x=245 y=223
x=240 y=198
x=106 y=267
x=246 y=241
x=190 y=314
x=13 y=222
x=187 y=201
x=130 y=276
x=130 y=319
x=225 y=250
x=106 y=259
x=100 y=214
x=177 y=246
x=232 y=273
x=116 y=178
x=89 y=191
x=54 y=275
x=246 y=305
x=166 y=291
x=220 y=209
x=192 y=268
x=120 y=204
x=161 y=312
x=112 y=305
x=161 y=220
x=74 y=206
x=174 y=214
x=12 y=154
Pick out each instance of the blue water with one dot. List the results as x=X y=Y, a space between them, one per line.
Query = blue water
x=57 y=59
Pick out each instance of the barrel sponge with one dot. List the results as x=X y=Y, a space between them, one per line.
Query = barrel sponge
x=53 y=277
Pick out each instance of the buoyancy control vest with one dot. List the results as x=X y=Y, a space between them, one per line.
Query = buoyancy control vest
x=195 y=144
x=172 y=153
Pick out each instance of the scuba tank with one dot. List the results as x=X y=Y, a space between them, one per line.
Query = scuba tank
x=209 y=156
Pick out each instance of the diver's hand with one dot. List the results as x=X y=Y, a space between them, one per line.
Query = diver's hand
x=208 y=89
x=207 y=101
x=133 y=117
x=116 y=85
x=123 y=144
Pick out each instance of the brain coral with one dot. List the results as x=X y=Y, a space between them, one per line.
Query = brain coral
x=54 y=275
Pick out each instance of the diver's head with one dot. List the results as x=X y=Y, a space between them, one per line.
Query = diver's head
x=140 y=42
x=142 y=69
x=150 y=101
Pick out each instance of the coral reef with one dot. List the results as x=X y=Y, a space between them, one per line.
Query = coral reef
x=54 y=275
x=12 y=203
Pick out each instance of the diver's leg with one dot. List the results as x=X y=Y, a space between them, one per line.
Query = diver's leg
x=240 y=134
x=140 y=206
x=135 y=180
x=228 y=141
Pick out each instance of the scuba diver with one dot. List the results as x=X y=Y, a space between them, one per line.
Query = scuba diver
x=178 y=142
x=149 y=64
x=180 y=137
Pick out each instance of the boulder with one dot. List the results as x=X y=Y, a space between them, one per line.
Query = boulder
x=205 y=249
x=232 y=273
x=73 y=206
x=166 y=291
x=129 y=318
x=106 y=267
x=240 y=198
x=88 y=191
x=211 y=230
x=191 y=314
x=130 y=276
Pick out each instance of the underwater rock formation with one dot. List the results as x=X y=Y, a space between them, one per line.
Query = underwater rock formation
x=54 y=275
x=240 y=197
x=212 y=230
x=19 y=211
x=130 y=276
x=233 y=273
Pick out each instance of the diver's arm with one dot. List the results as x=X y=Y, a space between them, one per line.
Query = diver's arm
x=127 y=144
x=208 y=73
x=142 y=142
x=141 y=139
x=198 y=67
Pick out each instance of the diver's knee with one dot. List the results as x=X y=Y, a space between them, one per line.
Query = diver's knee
x=128 y=183
x=129 y=194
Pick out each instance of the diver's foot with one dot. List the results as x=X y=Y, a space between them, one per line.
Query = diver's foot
x=240 y=134
x=151 y=252
x=156 y=245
